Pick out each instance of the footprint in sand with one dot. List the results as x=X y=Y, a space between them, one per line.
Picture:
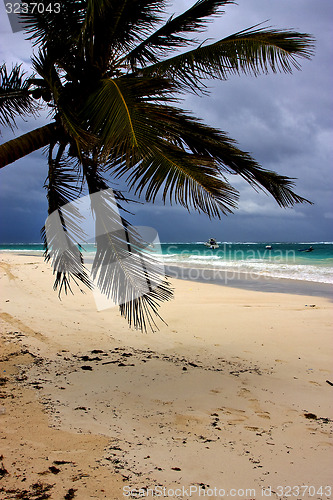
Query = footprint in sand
x=258 y=410
x=236 y=421
x=264 y=414
x=246 y=393
x=186 y=420
x=286 y=424
x=252 y=428
x=239 y=415
x=243 y=393
x=232 y=411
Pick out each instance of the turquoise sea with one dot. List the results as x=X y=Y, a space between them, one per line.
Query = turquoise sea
x=283 y=260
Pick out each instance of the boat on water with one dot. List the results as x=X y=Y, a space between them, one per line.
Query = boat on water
x=268 y=247
x=212 y=243
x=310 y=249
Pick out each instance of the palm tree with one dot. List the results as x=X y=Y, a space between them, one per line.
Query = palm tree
x=110 y=74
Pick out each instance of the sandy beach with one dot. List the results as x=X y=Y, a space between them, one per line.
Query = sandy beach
x=232 y=398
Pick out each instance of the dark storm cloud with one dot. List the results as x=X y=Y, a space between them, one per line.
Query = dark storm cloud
x=22 y=200
x=284 y=121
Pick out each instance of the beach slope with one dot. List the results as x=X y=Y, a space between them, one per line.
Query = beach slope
x=234 y=393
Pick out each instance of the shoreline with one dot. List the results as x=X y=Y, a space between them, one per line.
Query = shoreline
x=252 y=281
x=230 y=278
x=235 y=392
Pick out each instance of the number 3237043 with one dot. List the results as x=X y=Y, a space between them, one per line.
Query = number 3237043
x=304 y=491
x=32 y=7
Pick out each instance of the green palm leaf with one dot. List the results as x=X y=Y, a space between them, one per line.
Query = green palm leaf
x=15 y=95
x=167 y=37
x=63 y=97
x=190 y=180
x=47 y=27
x=124 y=268
x=63 y=228
x=187 y=132
x=112 y=27
x=252 y=51
x=110 y=115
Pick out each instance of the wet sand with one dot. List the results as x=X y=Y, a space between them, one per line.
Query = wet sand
x=234 y=393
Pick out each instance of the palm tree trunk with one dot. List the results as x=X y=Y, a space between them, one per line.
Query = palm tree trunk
x=21 y=146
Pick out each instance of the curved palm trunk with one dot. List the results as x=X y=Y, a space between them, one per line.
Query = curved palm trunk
x=21 y=146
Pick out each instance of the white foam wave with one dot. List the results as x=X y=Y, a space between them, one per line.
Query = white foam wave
x=321 y=274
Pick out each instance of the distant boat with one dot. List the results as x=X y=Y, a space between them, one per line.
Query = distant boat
x=268 y=247
x=212 y=243
x=310 y=249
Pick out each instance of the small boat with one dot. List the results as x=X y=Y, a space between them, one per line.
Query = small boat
x=268 y=247
x=310 y=249
x=212 y=243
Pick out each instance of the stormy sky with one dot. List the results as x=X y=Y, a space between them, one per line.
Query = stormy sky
x=284 y=121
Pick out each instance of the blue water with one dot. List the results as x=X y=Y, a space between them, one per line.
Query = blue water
x=284 y=260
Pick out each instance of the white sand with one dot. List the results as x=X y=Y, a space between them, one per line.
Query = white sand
x=217 y=398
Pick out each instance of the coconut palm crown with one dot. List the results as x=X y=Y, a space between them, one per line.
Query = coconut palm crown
x=110 y=74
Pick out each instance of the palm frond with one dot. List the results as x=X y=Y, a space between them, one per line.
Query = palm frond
x=252 y=51
x=115 y=114
x=169 y=37
x=110 y=116
x=63 y=229
x=64 y=98
x=45 y=66
x=190 y=180
x=125 y=269
x=279 y=186
x=54 y=28
x=57 y=31
x=142 y=151
x=115 y=26
x=15 y=96
x=190 y=134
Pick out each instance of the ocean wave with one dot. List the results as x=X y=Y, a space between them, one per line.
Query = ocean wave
x=303 y=272
x=21 y=250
